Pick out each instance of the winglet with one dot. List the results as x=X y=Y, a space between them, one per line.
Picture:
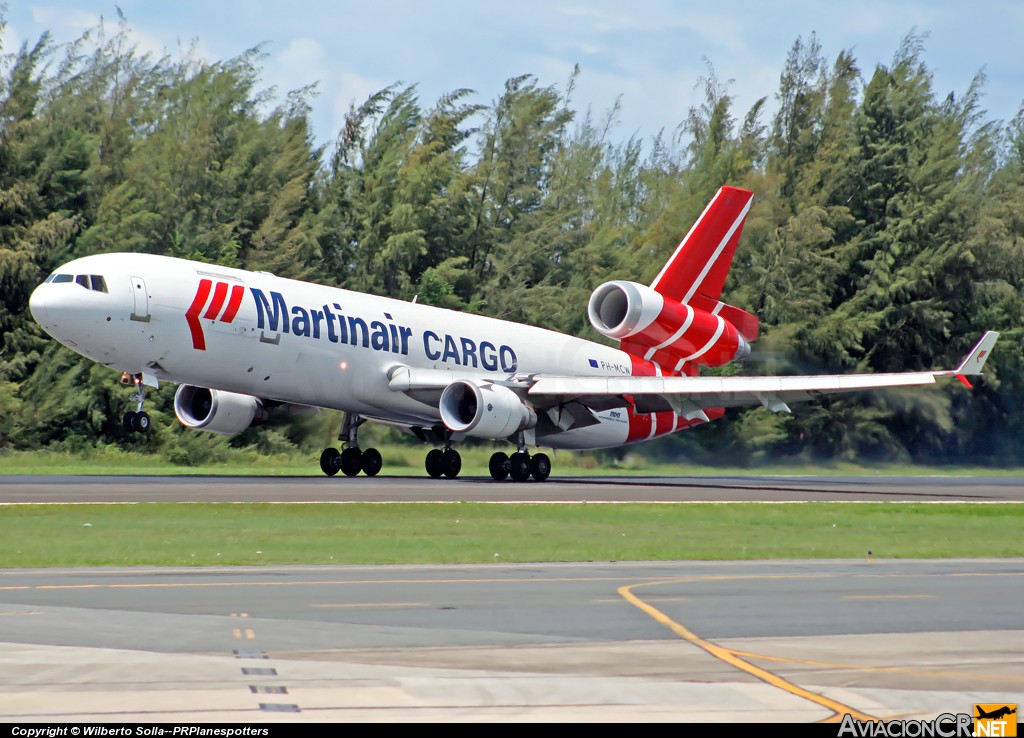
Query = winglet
x=975 y=361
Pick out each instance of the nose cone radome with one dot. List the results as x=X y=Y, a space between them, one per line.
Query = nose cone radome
x=39 y=303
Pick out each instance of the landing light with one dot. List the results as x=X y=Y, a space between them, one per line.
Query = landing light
x=343 y=365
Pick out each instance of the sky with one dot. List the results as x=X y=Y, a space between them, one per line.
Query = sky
x=650 y=55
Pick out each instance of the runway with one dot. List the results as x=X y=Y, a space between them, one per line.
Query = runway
x=798 y=641
x=769 y=641
x=83 y=488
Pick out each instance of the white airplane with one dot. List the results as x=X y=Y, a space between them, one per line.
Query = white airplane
x=242 y=344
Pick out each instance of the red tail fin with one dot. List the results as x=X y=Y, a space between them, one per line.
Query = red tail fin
x=701 y=262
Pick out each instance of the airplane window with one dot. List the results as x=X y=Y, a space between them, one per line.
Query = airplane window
x=63 y=278
x=98 y=283
x=83 y=279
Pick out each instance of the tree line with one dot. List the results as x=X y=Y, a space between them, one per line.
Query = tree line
x=886 y=232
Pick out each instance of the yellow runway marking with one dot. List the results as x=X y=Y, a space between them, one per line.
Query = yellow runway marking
x=618 y=600
x=888 y=597
x=883 y=669
x=732 y=657
x=348 y=582
x=488 y=580
x=372 y=604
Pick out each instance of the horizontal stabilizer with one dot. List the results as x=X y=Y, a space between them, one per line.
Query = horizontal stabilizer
x=747 y=324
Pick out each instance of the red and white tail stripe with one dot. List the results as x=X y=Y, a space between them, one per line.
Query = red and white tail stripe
x=682 y=333
x=701 y=262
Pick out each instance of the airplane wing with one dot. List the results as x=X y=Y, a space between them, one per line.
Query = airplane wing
x=574 y=397
x=689 y=395
x=426 y=385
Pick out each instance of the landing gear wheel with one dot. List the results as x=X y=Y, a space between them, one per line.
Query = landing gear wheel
x=141 y=422
x=330 y=461
x=499 y=465
x=372 y=462
x=434 y=463
x=451 y=463
x=519 y=466
x=540 y=467
x=135 y=421
x=351 y=462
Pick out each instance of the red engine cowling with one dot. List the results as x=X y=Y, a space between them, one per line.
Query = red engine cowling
x=663 y=330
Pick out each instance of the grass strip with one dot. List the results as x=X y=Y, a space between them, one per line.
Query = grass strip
x=211 y=534
x=408 y=460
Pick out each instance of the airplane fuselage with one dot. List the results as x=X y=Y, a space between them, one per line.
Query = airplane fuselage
x=284 y=340
x=241 y=344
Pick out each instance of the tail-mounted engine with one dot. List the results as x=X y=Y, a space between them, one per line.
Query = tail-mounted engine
x=484 y=410
x=621 y=309
x=216 y=411
x=669 y=332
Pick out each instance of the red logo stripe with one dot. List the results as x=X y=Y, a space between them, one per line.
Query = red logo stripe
x=233 y=304
x=192 y=315
x=219 y=293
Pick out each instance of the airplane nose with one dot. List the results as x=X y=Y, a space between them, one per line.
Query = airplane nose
x=38 y=304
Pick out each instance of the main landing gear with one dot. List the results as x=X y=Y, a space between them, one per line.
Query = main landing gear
x=135 y=421
x=352 y=459
x=520 y=465
x=446 y=463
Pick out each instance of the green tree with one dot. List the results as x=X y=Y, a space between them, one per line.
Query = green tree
x=511 y=231
x=396 y=196
x=39 y=173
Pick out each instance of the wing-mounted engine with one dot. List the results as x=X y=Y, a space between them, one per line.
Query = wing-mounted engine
x=666 y=331
x=216 y=411
x=484 y=410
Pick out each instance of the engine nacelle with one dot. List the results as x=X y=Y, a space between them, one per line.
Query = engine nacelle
x=215 y=411
x=620 y=309
x=484 y=410
x=666 y=331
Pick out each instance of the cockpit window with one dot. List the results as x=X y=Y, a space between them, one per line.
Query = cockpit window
x=92 y=282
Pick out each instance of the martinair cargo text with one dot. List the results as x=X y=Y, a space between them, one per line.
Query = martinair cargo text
x=243 y=344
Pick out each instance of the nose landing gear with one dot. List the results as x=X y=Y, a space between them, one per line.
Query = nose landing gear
x=135 y=421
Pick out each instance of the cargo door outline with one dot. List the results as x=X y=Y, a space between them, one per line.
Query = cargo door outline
x=141 y=297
